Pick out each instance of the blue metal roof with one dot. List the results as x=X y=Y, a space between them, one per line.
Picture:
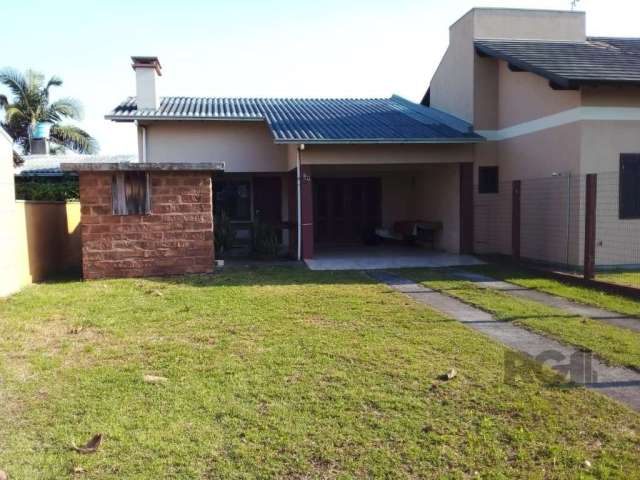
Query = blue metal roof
x=295 y=120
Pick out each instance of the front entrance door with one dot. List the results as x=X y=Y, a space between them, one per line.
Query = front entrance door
x=346 y=210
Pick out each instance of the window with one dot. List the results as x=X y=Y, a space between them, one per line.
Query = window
x=234 y=198
x=130 y=193
x=488 y=180
x=629 y=186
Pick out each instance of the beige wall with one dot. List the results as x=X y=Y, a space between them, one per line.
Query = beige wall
x=452 y=88
x=385 y=154
x=48 y=239
x=243 y=146
x=528 y=24
x=524 y=96
x=437 y=198
x=9 y=282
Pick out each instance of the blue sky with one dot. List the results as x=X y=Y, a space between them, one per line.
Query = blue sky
x=319 y=48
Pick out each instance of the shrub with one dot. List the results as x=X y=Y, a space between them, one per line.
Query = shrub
x=223 y=233
x=47 y=189
x=264 y=239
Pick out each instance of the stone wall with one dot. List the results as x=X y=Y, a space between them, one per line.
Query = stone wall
x=176 y=237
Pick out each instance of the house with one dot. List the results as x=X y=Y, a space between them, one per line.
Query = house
x=554 y=105
x=519 y=95
x=328 y=171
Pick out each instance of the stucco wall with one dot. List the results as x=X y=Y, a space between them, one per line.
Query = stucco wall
x=524 y=96
x=243 y=146
x=48 y=240
x=9 y=282
x=528 y=24
x=437 y=198
x=385 y=154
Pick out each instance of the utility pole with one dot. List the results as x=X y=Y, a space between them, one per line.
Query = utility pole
x=574 y=4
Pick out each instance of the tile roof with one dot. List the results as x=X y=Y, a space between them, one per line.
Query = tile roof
x=293 y=120
x=569 y=64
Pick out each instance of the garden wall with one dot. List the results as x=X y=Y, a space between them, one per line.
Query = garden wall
x=9 y=282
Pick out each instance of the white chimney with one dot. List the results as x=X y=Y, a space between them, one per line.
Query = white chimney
x=146 y=68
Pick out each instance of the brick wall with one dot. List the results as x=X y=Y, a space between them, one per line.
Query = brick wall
x=175 y=238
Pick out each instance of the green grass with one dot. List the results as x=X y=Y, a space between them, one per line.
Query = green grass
x=614 y=344
x=280 y=373
x=630 y=278
x=589 y=296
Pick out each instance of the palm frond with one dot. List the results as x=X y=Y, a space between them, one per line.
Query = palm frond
x=4 y=101
x=64 y=107
x=14 y=114
x=74 y=138
x=54 y=81
x=14 y=80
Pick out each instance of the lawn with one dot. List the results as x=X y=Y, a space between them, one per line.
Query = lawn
x=630 y=278
x=589 y=296
x=280 y=373
x=618 y=346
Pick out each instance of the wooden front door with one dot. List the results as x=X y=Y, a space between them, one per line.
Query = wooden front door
x=346 y=210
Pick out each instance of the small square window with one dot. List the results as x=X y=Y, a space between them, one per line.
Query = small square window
x=488 y=180
x=629 y=186
x=130 y=193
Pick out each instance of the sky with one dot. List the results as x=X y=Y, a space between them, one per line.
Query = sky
x=266 y=48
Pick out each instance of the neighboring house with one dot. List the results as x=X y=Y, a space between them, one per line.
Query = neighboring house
x=550 y=101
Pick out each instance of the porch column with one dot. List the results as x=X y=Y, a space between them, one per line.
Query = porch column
x=292 y=194
x=306 y=195
x=466 y=208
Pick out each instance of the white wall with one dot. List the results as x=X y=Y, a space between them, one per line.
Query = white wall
x=9 y=281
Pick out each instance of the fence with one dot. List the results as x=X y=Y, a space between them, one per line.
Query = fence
x=572 y=223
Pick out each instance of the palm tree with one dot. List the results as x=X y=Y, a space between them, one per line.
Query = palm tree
x=30 y=106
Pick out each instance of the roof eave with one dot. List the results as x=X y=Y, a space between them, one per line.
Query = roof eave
x=133 y=118
x=378 y=141
x=560 y=81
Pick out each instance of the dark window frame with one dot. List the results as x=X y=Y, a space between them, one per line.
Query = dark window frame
x=629 y=200
x=131 y=193
x=492 y=186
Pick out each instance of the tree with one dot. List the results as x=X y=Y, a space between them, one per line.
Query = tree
x=31 y=105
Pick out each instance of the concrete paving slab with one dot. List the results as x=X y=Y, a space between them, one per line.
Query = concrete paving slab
x=622 y=384
x=564 y=304
x=386 y=257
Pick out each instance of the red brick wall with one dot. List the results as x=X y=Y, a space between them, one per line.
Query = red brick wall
x=175 y=238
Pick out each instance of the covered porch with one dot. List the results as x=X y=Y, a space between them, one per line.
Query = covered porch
x=417 y=213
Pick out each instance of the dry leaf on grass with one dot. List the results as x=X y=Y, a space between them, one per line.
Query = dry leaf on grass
x=91 y=446
x=155 y=379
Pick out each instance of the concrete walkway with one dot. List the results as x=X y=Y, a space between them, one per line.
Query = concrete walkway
x=560 y=303
x=620 y=383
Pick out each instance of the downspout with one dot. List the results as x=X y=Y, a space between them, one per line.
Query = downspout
x=299 y=195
